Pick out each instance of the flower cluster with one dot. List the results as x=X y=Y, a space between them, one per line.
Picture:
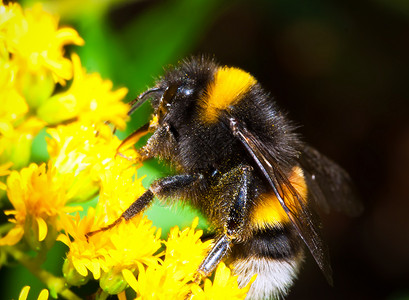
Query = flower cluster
x=42 y=89
x=33 y=64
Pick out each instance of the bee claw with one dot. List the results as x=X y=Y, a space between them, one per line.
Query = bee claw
x=198 y=277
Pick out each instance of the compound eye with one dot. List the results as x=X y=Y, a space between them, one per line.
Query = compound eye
x=166 y=99
x=185 y=91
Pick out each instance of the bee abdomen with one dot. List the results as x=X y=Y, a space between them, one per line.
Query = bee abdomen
x=275 y=255
x=274 y=277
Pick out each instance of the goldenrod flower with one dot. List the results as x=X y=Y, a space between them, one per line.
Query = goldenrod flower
x=16 y=141
x=224 y=286
x=162 y=282
x=4 y=170
x=38 y=196
x=24 y=294
x=31 y=62
x=13 y=106
x=84 y=255
x=141 y=243
x=185 y=250
x=108 y=252
x=172 y=278
x=133 y=243
x=90 y=99
x=120 y=187
x=36 y=43
x=88 y=151
x=7 y=13
x=15 y=135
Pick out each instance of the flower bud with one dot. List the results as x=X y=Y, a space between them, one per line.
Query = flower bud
x=18 y=150
x=58 y=108
x=71 y=274
x=113 y=282
x=36 y=87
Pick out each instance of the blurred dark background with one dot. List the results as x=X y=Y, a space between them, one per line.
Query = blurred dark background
x=339 y=68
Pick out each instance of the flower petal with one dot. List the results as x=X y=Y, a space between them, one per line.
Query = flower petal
x=80 y=267
x=43 y=295
x=13 y=236
x=96 y=269
x=24 y=293
x=64 y=239
x=130 y=279
x=69 y=36
x=42 y=228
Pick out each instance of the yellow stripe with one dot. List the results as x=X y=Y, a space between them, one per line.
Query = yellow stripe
x=227 y=88
x=269 y=211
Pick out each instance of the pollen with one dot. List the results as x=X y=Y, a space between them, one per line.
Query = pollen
x=227 y=89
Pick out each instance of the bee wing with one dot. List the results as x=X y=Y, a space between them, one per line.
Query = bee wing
x=329 y=185
x=303 y=219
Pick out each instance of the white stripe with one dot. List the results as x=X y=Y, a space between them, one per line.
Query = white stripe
x=274 y=277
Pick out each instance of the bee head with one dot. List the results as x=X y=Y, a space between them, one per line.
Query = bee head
x=175 y=100
x=182 y=86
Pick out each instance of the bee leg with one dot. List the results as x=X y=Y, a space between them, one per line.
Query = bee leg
x=161 y=188
x=240 y=178
x=137 y=206
x=239 y=210
x=172 y=185
x=215 y=256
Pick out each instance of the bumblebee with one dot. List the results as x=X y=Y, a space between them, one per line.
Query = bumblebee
x=238 y=159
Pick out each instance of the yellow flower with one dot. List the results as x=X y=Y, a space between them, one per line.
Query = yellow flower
x=162 y=282
x=84 y=255
x=123 y=246
x=4 y=170
x=107 y=253
x=13 y=104
x=15 y=135
x=134 y=241
x=87 y=151
x=90 y=99
x=31 y=61
x=36 y=43
x=172 y=278
x=24 y=293
x=119 y=189
x=16 y=141
x=38 y=196
x=185 y=250
x=224 y=286
x=7 y=13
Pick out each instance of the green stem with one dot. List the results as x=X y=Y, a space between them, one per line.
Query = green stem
x=101 y=295
x=56 y=285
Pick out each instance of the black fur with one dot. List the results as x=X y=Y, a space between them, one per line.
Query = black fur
x=275 y=243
